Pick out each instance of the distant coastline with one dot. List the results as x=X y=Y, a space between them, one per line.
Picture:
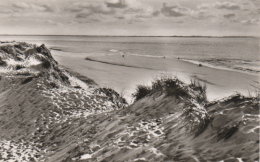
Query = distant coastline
x=192 y=36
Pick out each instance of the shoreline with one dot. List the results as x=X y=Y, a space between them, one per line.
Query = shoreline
x=219 y=67
x=193 y=61
x=124 y=79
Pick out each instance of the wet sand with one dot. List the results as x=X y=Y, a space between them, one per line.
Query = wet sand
x=124 y=72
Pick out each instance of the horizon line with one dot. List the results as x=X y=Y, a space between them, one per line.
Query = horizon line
x=127 y=35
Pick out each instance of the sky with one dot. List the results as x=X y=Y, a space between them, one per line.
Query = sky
x=131 y=17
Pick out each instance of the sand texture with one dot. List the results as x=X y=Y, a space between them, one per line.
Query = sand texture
x=48 y=113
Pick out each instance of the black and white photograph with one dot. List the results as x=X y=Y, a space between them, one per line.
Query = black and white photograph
x=129 y=80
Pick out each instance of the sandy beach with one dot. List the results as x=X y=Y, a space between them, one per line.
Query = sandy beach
x=124 y=72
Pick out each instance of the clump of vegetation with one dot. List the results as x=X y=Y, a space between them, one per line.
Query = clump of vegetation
x=239 y=98
x=202 y=126
x=2 y=63
x=45 y=63
x=54 y=85
x=58 y=74
x=18 y=67
x=141 y=92
x=226 y=133
x=198 y=87
x=27 y=80
x=8 y=49
x=168 y=85
x=198 y=119
x=172 y=86
x=19 y=46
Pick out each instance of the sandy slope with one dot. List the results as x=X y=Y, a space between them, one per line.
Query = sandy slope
x=47 y=114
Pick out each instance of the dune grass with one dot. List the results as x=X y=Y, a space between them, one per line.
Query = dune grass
x=27 y=80
x=227 y=132
x=2 y=63
x=141 y=92
x=172 y=86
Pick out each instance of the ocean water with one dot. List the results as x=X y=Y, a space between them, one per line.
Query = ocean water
x=234 y=53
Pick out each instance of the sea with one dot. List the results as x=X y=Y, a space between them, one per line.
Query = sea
x=239 y=53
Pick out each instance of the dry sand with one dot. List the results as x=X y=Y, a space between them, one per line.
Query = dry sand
x=124 y=73
x=55 y=117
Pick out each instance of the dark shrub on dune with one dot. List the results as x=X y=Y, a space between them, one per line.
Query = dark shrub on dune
x=18 y=67
x=27 y=80
x=19 y=46
x=54 y=85
x=141 y=92
x=227 y=132
x=8 y=49
x=46 y=64
x=2 y=63
x=173 y=87
x=198 y=87
x=167 y=85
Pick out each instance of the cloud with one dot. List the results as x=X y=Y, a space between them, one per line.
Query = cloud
x=53 y=22
x=174 y=10
x=84 y=10
x=258 y=10
x=250 y=21
x=120 y=17
x=204 y=6
x=255 y=2
x=49 y=8
x=133 y=10
x=74 y=9
x=29 y=7
x=5 y=11
x=21 y=5
x=227 y=5
x=83 y=14
x=200 y=14
x=116 y=4
x=230 y=15
x=156 y=13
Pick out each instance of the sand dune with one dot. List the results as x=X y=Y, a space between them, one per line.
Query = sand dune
x=49 y=114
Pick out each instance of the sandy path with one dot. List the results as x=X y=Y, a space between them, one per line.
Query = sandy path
x=124 y=73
